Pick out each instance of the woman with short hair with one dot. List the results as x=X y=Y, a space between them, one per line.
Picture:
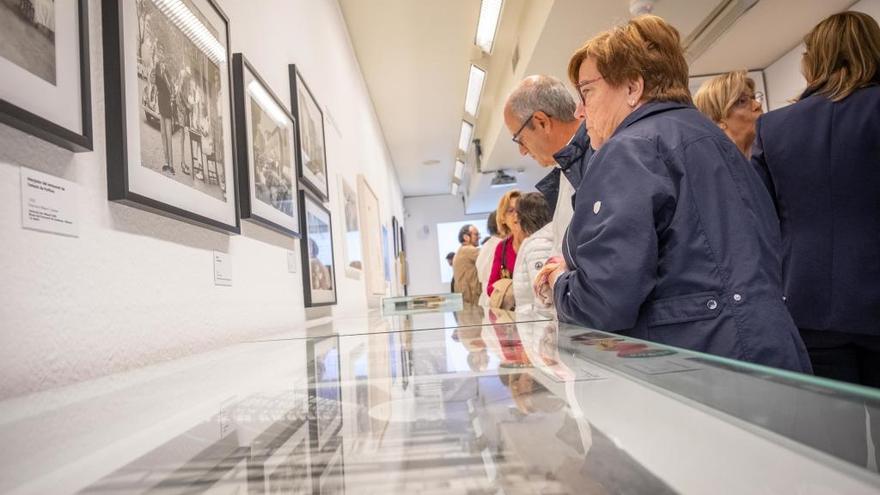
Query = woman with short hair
x=534 y=217
x=731 y=101
x=821 y=157
x=674 y=238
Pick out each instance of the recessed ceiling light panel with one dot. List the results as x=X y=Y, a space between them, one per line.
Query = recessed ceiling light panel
x=464 y=139
x=474 y=90
x=490 y=14
x=459 y=169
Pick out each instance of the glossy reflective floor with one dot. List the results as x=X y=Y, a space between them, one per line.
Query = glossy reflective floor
x=466 y=402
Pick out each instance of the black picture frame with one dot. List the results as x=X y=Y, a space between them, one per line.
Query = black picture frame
x=309 y=130
x=38 y=124
x=395 y=227
x=309 y=203
x=251 y=205
x=124 y=177
x=402 y=240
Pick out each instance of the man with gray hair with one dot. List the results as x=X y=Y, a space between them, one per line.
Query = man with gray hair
x=547 y=124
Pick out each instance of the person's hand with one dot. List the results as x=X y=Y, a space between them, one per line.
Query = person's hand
x=546 y=278
x=561 y=267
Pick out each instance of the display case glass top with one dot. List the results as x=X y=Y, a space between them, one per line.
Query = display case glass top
x=482 y=405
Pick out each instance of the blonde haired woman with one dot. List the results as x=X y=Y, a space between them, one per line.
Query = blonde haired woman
x=673 y=238
x=505 y=253
x=821 y=157
x=731 y=101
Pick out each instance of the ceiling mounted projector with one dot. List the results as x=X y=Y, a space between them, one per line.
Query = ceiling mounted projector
x=502 y=179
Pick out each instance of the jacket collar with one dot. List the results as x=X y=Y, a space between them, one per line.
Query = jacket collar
x=549 y=187
x=649 y=109
x=574 y=150
x=810 y=92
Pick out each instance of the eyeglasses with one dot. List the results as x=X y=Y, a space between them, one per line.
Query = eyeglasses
x=515 y=137
x=580 y=88
x=746 y=98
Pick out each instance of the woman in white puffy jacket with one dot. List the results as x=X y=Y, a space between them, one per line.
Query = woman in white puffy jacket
x=533 y=215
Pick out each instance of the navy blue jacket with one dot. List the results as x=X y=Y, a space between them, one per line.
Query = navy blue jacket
x=822 y=164
x=675 y=240
x=572 y=160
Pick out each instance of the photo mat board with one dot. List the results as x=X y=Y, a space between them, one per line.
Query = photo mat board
x=368 y=206
x=45 y=90
x=386 y=254
x=312 y=153
x=316 y=249
x=170 y=145
x=266 y=136
x=354 y=262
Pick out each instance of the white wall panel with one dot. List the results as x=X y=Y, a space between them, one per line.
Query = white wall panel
x=136 y=288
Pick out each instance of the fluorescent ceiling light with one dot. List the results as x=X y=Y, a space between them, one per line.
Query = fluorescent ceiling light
x=181 y=16
x=490 y=13
x=459 y=168
x=464 y=139
x=267 y=103
x=454 y=189
x=474 y=89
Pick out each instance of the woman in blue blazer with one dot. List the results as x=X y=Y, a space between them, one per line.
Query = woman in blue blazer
x=821 y=162
x=674 y=237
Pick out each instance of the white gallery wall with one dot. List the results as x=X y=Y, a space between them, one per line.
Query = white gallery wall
x=783 y=77
x=136 y=288
x=423 y=213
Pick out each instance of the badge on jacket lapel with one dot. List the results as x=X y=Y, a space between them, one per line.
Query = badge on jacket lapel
x=596 y=207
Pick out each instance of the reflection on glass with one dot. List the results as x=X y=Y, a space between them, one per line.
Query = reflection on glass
x=491 y=404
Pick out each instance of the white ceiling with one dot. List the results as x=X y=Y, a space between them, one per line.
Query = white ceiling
x=415 y=56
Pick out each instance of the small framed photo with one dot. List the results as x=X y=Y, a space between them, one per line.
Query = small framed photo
x=168 y=99
x=312 y=154
x=266 y=135
x=352 y=243
x=316 y=247
x=395 y=227
x=44 y=58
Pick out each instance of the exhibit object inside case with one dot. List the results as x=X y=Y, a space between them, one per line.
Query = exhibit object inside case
x=469 y=401
x=425 y=303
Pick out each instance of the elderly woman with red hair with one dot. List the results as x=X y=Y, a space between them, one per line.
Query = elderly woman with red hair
x=674 y=237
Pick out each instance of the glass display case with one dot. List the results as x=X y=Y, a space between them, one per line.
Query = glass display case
x=472 y=401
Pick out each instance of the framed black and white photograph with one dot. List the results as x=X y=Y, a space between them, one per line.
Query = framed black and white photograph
x=354 y=261
x=395 y=227
x=312 y=155
x=44 y=58
x=168 y=98
x=316 y=247
x=266 y=135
